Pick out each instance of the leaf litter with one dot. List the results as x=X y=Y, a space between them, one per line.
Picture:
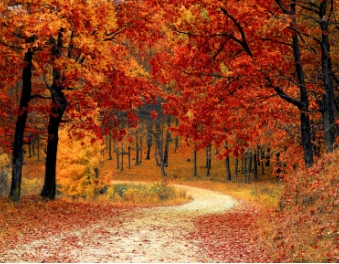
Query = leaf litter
x=204 y=230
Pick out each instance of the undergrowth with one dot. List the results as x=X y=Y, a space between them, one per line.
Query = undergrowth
x=306 y=226
x=156 y=193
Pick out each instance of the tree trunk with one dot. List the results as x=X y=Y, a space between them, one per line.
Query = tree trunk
x=38 y=146
x=236 y=169
x=328 y=97
x=20 y=128
x=110 y=145
x=255 y=162
x=268 y=157
x=208 y=160
x=137 y=149
x=244 y=166
x=116 y=154
x=149 y=142
x=140 y=161
x=249 y=168
x=176 y=140
x=168 y=140
x=30 y=150
x=33 y=147
x=228 y=170
x=195 y=162
x=304 y=117
x=262 y=161
x=302 y=104
x=122 y=157
x=159 y=143
x=59 y=104
x=129 y=157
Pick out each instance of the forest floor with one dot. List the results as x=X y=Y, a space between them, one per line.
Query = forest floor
x=158 y=234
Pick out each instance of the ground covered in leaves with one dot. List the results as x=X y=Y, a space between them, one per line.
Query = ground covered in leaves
x=199 y=231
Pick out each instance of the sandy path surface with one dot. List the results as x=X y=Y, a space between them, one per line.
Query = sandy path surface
x=144 y=235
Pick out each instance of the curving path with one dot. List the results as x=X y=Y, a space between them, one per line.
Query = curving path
x=146 y=235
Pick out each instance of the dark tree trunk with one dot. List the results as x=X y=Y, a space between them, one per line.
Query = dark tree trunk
x=268 y=157
x=116 y=154
x=304 y=117
x=122 y=158
x=33 y=147
x=159 y=143
x=328 y=97
x=110 y=145
x=228 y=169
x=236 y=169
x=140 y=158
x=59 y=104
x=176 y=140
x=129 y=156
x=38 y=146
x=168 y=140
x=249 y=167
x=195 y=162
x=262 y=161
x=149 y=142
x=30 y=150
x=244 y=166
x=137 y=160
x=303 y=103
x=20 y=128
x=255 y=162
x=208 y=160
x=58 y=108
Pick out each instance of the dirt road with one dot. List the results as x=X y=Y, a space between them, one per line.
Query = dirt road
x=144 y=235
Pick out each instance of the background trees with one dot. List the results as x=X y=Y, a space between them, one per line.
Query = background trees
x=223 y=70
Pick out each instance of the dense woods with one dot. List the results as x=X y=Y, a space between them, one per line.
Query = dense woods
x=240 y=77
x=248 y=82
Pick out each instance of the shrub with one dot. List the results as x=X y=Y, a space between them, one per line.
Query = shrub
x=78 y=160
x=143 y=193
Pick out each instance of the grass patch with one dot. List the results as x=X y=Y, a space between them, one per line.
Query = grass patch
x=158 y=193
x=265 y=194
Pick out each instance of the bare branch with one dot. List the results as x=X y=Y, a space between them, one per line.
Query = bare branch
x=40 y=96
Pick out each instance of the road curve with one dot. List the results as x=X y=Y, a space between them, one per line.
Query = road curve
x=145 y=235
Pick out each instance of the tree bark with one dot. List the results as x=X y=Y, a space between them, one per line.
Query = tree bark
x=208 y=160
x=110 y=145
x=58 y=107
x=328 y=97
x=228 y=169
x=149 y=142
x=249 y=167
x=244 y=166
x=304 y=117
x=20 y=128
x=195 y=162
x=255 y=162
x=137 y=160
x=302 y=103
x=168 y=140
x=59 y=104
x=176 y=140
x=236 y=169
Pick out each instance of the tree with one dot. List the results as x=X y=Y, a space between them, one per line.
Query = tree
x=20 y=127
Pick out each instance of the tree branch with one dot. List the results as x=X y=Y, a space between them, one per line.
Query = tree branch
x=40 y=96
x=243 y=42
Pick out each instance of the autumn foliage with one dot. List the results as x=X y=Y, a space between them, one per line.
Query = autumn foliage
x=236 y=77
